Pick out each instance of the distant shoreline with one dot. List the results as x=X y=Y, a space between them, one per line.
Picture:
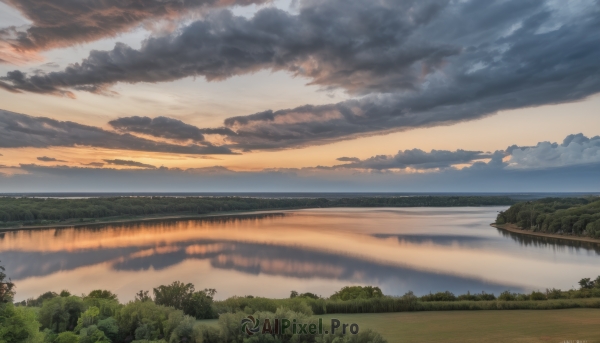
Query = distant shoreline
x=515 y=229
x=143 y=219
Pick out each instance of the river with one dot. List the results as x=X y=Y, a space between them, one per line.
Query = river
x=316 y=250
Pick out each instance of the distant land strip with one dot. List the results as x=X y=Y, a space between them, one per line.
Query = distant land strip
x=28 y=212
x=515 y=229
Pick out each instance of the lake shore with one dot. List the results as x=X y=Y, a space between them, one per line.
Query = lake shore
x=515 y=229
x=142 y=219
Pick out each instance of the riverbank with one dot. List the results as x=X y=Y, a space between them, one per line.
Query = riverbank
x=515 y=229
x=137 y=219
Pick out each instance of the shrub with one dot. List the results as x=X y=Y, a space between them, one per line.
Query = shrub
x=207 y=334
x=537 y=296
x=483 y=296
x=357 y=292
x=507 y=296
x=439 y=296
x=554 y=294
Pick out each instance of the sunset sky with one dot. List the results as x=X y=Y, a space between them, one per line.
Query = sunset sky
x=299 y=95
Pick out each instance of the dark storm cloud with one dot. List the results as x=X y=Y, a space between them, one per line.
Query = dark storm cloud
x=411 y=63
x=49 y=159
x=158 y=127
x=129 y=163
x=60 y=23
x=337 y=43
x=417 y=159
x=19 y=130
x=164 y=127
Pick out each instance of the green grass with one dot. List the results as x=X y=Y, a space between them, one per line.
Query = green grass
x=496 y=326
x=482 y=326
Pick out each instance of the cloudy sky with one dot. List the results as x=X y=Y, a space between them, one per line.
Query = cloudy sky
x=300 y=95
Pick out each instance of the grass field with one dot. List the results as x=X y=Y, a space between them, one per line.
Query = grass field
x=521 y=326
x=570 y=325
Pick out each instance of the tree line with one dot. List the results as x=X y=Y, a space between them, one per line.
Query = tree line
x=571 y=216
x=40 y=210
x=170 y=313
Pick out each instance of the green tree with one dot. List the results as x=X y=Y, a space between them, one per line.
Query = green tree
x=537 y=296
x=142 y=296
x=207 y=334
x=102 y=294
x=107 y=307
x=66 y=337
x=174 y=295
x=61 y=314
x=184 y=297
x=88 y=318
x=151 y=318
x=199 y=305
x=357 y=292
x=110 y=327
x=7 y=291
x=184 y=331
x=18 y=325
x=507 y=296
x=92 y=334
x=586 y=283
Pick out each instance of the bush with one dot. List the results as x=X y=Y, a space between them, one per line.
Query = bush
x=207 y=334
x=507 y=296
x=439 y=296
x=483 y=296
x=357 y=292
x=554 y=294
x=537 y=296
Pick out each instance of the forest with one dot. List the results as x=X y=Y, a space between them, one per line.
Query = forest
x=30 y=211
x=177 y=313
x=567 y=216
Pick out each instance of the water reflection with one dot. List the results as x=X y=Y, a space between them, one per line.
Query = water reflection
x=552 y=243
x=462 y=240
x=311 y=250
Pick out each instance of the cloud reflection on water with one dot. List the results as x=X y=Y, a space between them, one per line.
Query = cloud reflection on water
x=400 y=250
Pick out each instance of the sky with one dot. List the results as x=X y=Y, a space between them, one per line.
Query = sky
x=299 y=95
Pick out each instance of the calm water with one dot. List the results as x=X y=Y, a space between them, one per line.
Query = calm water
x=319 y=251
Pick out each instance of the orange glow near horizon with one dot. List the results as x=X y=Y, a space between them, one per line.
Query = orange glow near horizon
x=336 y=232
